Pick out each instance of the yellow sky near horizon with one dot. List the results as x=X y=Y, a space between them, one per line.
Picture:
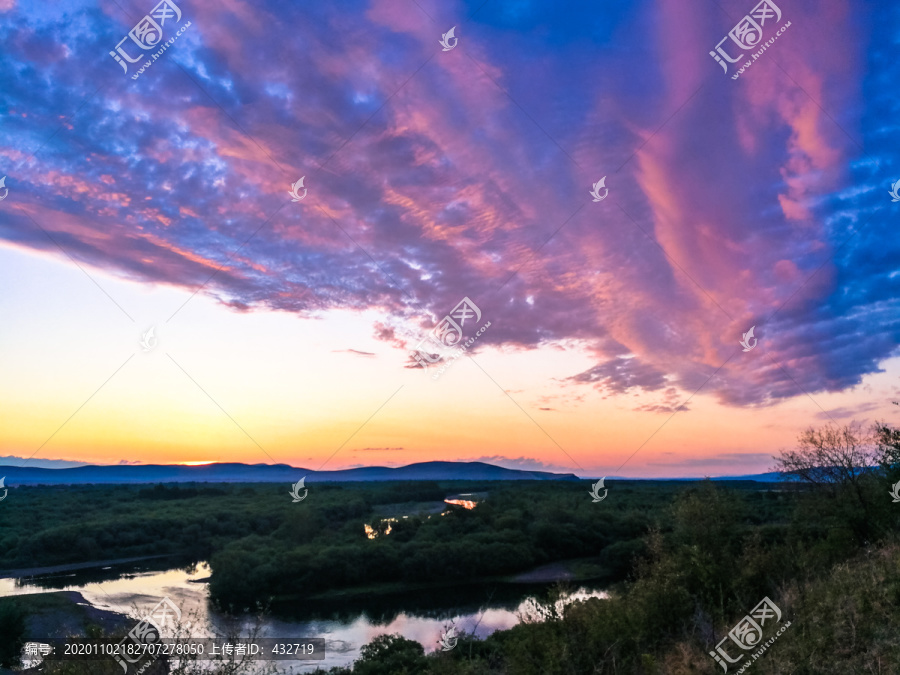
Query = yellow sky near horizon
x=262 y=386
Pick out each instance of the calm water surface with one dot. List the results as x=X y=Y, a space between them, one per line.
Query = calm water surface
x=346 y=626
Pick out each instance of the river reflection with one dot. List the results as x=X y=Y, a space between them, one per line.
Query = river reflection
x=345 y=624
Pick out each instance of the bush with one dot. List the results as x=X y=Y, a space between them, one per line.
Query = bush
x=391 y=655
x=12 y=634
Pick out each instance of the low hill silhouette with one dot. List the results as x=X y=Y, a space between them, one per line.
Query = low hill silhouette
x=265 y=473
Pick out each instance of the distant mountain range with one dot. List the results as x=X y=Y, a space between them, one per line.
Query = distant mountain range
x=12 y=460
x=283 y=473
x=265 y=473
x=771 y=477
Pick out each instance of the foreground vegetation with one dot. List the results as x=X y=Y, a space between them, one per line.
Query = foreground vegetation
x=844 y=620
x=832 y=567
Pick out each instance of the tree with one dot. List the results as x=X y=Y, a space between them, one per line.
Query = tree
x=12 y=634
x=832 y=457
x=887 y=440
x=842 y=463
x=391 y=655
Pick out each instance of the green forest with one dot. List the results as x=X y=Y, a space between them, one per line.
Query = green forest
x=685 y=561
x=261 y=546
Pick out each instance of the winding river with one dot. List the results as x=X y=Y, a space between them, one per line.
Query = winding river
x=346 y=626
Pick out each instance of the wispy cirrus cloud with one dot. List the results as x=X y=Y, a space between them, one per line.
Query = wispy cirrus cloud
x=353 y=351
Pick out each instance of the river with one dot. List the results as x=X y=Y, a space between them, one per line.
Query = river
x=346 y=625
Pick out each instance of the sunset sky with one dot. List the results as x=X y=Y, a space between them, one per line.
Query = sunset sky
x=432 y=176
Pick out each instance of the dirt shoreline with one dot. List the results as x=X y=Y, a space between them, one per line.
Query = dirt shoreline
x=37 y=571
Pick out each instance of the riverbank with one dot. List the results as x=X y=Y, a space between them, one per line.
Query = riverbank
x=575 y=571
x=59 y=614
x=56 y=569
